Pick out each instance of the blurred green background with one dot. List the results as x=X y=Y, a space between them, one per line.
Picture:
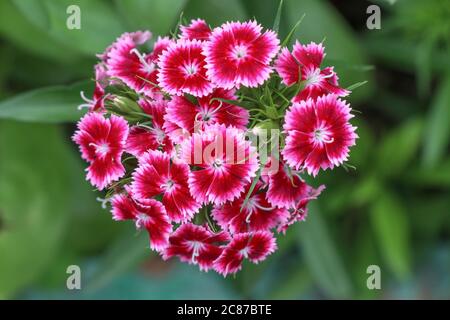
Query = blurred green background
x=392 y=211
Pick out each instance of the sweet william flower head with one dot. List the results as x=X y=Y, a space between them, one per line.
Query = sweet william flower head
x=196 y=244
x=182 y=69
x=254 y=246
x=319 y=134
x=225 y=160
x=101 y=141
x=239 y=54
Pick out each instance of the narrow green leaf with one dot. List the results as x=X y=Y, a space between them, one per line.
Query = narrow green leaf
x=276 y=23
x=437 y=133
x=356 y=85
x=399 y=147
x=391 y=227
x=287 y=40
x=47 y=105
x=322 y=256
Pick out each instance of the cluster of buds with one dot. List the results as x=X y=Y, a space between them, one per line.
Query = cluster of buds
x=203 y=141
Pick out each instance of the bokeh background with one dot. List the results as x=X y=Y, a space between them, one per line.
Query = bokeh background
x=392 y=211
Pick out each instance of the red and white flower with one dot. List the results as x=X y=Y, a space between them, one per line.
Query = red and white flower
x=136 y=70
x=158 y=176
x=182 y=69
x=254 y=246
x=194 y=117
x=286 y=188
x=305 y=60
x=319 y=134
x=138 y=38
x=196 y=244
x=300 y=211
x=256 y=215
x=101 y=141
x=240 y=54
x=197 y=30
x=150 y=215
x=226 y=163
x=144 y=138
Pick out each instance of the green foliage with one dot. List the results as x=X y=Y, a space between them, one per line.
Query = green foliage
x=49 y=105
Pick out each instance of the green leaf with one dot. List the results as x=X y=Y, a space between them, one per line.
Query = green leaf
x=47 y=105
x=399 y=147
x=97 y=30
x=341 y=43
x=392 y=232
x=287 y=40
x=276 y=23
x=356 y=85
x=437 y=133
x=34 y=11
x=141 y=14
x=322 y=256
x=215 y=12
x=34 y=198
x=122 y=255
x=24 y=33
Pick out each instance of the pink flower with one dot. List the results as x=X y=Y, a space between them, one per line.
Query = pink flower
x=138 y=38
x=158 y=176
x=257 y=214
x=182 y=69
x=197 y=30
x=196 y=245
x=318 y=134
x=161 y=44
x=101 y=143
x=98 y=97
x=154 y=137
x=193 y=117
x=239 y=54
x=253 y=246
x=150 y=215
x=286 y=188
x=300 y=211
x=137 y=71
x=226 y=163
x=306 y=60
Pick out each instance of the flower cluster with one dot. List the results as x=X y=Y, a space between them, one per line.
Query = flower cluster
x=185 y=138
